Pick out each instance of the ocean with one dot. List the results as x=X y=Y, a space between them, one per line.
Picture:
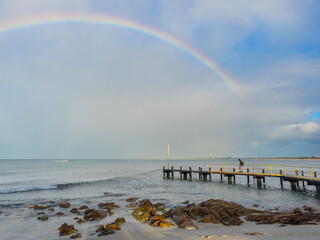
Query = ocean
x=28 y=182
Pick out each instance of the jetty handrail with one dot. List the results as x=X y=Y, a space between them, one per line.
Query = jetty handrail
x=298 y=172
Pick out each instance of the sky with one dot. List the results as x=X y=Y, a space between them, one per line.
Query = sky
x=85 y=90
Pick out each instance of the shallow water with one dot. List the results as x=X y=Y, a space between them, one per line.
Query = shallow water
x=27 y=182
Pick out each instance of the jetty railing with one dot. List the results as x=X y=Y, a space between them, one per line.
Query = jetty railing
x=299 y=172
x=293 y=174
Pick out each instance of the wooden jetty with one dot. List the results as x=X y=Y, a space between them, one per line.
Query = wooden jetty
x=292 y=174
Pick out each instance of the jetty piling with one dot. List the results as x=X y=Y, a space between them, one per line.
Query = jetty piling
x=258 y=172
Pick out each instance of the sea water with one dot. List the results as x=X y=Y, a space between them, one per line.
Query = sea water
x=27 y=182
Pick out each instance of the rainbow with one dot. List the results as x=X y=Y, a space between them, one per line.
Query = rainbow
x=122 y=23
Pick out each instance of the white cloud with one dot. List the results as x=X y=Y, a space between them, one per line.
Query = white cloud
x=297 y=132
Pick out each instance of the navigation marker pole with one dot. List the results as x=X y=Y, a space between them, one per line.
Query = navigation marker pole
x=168 y=156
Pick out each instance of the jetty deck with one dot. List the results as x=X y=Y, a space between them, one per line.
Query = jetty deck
x=293 y=174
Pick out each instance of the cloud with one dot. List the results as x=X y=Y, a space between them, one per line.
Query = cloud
x=297 y=132
x=78 y=90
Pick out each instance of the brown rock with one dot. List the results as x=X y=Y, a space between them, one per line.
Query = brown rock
x=105 y=233
x=64 y=205
x=235 y=221
x=66 y=229
x=83 y=207
x=131 y=205
x=307 y=208
x=40 y=213
x=100 y=228
x=89 y=211
x=132 y=199
x=38 y=207
x=187 y=225
x=119 y=221
x=99 y=214
x=59 y=213
x=166 y=224
x=156 y=218
x=80 y=221
x=77 y=235
x=43 y=218
x=74 y=210
x=113 y=227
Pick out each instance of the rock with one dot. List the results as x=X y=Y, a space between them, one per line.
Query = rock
x=0 y=211
x=207 y=237
x=119 y=221
x=77 y=235
x=99 y=214
x=66 y=229
x=40 y=213
x=186 y=202
x=80 y=221
x=43 y=218
x=187 y=225
x=166 y=224
x=89 y=211
x=100 y=228
x=83 y=207
x=234 y=221
x=105 y=233
x=59 y=213
x=255 y=205
x=109 y=206
x=156 y=218
x=74 y=210
x=51 y=209
x=131 y=205
x=106 y=193
x=64 y=205
x=38 y=207
x=254 y=233
x=282 y=225
x=132 y=199
x=307 y=208
x=113 y=227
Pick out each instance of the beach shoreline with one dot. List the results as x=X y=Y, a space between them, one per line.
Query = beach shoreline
x=23 y=224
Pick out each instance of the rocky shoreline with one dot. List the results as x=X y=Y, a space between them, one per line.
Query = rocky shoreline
x=184 y=216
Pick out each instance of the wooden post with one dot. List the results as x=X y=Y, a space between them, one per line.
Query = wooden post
x=303 y=183
x=229 y=179
x=202 y=177
x=264 y=178
x=281 y=179
x=293 y=185
x=259 y=182
x=221 y=174
x=210 y=173
x=190 y=176
x=234 y=176
x=181 y=172
x=199 y=174
x=248 y=179
x=172 y=172
x=315 y=174
x=164 y=172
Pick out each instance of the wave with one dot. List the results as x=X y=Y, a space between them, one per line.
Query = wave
x=73 y=184
x=61 y=161
x=16 y=190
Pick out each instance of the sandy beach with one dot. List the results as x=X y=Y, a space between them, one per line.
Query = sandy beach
x=23 y=224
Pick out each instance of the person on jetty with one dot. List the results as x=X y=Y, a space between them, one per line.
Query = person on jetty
x=241 y=163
